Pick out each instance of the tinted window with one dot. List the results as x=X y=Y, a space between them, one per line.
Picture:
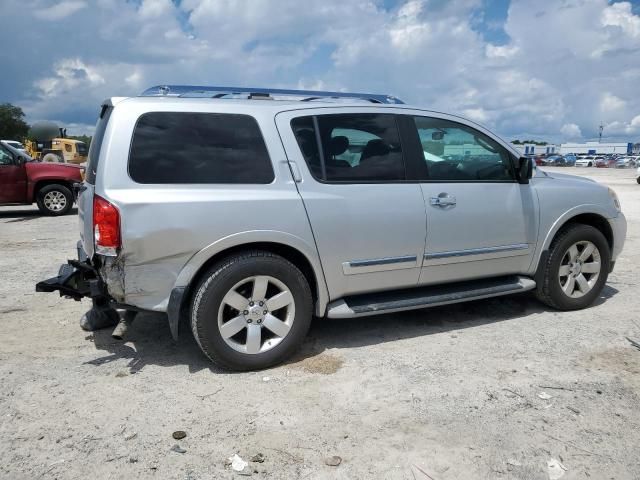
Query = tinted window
x=455 y=152
x=354 y=147
x=170 y=147
x=96 y=143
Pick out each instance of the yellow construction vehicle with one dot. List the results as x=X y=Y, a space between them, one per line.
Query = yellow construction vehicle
x=48 y=143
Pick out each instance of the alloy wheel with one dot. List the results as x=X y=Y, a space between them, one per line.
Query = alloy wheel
x=55 y=201
x=579 y=269
x=256 y=314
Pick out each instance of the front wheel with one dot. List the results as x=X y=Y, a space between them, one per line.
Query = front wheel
x=251 y=311
x=54 y=200
x=576 y=270
x=590 y=164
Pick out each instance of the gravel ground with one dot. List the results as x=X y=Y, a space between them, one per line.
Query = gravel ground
x=489 y=389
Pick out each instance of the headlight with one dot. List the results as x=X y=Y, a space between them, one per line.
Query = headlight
x=615 y=199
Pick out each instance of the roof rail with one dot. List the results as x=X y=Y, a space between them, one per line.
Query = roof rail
x=262 y=93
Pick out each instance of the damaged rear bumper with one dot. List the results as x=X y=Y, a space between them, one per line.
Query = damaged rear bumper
x=79 y=278
x=76 y=279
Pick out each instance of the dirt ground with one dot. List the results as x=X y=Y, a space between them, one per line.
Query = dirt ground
x=495 y=389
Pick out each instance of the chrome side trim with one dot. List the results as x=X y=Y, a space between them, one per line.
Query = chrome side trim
x=383 y=261
x=379 y=264
x=476 y=251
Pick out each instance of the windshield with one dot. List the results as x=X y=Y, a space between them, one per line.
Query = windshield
x=17 y=145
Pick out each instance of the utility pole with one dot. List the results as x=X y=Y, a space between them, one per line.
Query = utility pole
x=600 y=136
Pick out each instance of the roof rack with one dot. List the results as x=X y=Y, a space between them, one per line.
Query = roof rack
x=260 y=93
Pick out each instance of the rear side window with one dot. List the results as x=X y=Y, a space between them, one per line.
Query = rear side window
x=96 y=144
x=179 y=147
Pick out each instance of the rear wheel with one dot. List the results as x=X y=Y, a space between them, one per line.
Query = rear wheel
x=54 y=200
x=576 y=270
x=590 y=164
x=251 y=311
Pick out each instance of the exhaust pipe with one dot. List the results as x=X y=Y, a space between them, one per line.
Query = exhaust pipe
x=120 y=332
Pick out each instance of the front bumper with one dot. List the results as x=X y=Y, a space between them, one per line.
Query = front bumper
x=619 y=228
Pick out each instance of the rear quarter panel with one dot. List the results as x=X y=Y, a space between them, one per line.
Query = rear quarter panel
x=169 y=231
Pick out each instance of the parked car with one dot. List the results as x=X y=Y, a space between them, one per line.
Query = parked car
x=540 y=160
x=244 y=218
x=625 y=162
x=605 y=162
x=570 y=160
x=556 y=160
x=24 y=181
x=588 y=161
x=638 y=175
x=14 y=144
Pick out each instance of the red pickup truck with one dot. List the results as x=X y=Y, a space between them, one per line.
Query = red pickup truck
x=24 y=181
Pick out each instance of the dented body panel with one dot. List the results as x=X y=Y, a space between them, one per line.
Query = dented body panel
x=170 y=231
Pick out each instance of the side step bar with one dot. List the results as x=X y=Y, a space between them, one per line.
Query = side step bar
x=423 y=297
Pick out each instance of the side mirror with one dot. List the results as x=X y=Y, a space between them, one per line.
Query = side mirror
x=525 y=169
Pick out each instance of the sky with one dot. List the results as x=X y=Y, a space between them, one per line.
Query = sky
x=549 y=70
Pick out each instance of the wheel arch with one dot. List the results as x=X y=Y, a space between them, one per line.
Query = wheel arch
x=592 y=219
x=38 y=185
x=587 y=215
x=288 y=246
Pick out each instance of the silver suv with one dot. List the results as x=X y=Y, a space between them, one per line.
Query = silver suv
x=245 y=212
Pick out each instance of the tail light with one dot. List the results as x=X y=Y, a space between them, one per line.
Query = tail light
x=106 y=227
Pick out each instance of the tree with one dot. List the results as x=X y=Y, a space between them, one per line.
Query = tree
x=12 y=124
x=83 y=138
x=522 y=142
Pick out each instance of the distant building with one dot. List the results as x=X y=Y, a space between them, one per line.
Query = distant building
x=533 y=149
x=597 y=148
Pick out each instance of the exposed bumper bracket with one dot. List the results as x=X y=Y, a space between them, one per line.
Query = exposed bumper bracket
x=76 y=279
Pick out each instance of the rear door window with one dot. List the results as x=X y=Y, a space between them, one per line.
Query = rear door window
x=354 y=148
x=198 y=148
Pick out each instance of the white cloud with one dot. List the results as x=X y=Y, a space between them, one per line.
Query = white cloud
x=571 y=131
x=620 y=15
x=566 y=66
x=68 y=73
x=501 y=51
x=610 y=102
x=60 y=10
x=476 y=114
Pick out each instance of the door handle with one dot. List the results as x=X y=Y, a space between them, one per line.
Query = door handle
x=295 y=172
x=443 y=200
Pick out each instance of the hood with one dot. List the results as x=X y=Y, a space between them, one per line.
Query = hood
x=53 y=165
x=566 y=176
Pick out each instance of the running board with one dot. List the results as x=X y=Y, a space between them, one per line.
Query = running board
x=423 y=297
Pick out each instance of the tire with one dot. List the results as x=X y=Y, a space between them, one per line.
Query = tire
x=590 y=164
x=54 y=200
x=638 y=179
x=52 y=158
x=553 y=286
x=234 y=281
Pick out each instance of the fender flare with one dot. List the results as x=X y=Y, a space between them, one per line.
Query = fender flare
x=560 y=222
x=197 y=261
